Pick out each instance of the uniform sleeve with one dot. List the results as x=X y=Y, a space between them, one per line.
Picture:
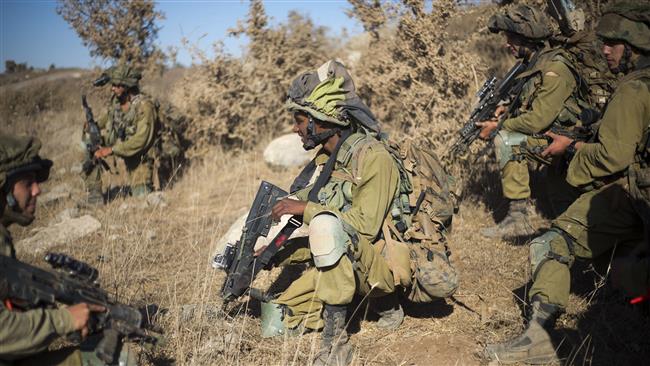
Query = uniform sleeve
x=27 y=333
x=372 y=197
x=620 y=130
x=557 y=86
x=143 y=136
x=102 y=121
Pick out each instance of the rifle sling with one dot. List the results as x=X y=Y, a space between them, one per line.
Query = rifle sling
x=325 y=175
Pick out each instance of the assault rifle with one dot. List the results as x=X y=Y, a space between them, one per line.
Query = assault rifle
x=95 y=140
x=31 y=287
x=489 y=97
x=238 y=259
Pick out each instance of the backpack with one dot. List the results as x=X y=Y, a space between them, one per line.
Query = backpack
x=170 y=145
x=421 y=216
x=595 y=82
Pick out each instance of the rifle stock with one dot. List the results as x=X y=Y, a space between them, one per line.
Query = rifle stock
x=32 y=287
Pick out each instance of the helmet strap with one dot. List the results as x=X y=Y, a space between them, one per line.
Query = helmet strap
x=313 y=140
x=624 y=65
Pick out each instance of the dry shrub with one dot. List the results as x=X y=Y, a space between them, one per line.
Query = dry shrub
x=234 y=102
x=116 y=30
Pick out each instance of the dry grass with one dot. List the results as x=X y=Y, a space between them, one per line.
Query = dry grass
x=161 y=255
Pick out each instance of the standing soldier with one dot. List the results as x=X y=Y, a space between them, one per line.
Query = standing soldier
x=129 y=132
x=613 y=172
x=550 y=98
x=26 y=335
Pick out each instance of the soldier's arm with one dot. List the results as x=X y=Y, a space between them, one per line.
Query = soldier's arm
x=557 y=86
x=372 y=197
x=620 y=130
x=27 y=333
x=134 y=144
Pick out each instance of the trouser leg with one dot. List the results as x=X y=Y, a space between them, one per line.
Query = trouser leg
x=140 y=170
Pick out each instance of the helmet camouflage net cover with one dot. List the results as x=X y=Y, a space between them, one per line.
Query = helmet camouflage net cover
x=124 y=75
x=522 y=20
x=19 y=154
x=328 y=94
x=628 y=22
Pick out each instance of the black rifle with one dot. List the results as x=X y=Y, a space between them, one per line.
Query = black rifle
x=95 y=140
x=32 y=287
x=238 y=259
x=489 y=96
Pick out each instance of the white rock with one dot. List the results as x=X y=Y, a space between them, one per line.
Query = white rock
x=286 y=151
x=234 y=233
x=66 y=231
x=75 y=169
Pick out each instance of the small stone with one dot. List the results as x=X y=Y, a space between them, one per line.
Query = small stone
x=156 y=199
x=75 y=169
x=56 y=194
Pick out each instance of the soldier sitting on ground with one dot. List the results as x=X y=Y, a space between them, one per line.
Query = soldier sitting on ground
x=128 y=131
x=613 y=173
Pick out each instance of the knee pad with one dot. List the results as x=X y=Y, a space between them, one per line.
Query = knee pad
x=541 y=251
x=504 y=141
x=328 y=241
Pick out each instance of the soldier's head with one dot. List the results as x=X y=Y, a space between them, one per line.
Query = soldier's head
x=124 y=79
x=625 y=31
x=21 y=171
x=324 y=103
x=524 y=27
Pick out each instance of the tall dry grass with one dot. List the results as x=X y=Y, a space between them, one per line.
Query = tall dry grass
x=161 y=254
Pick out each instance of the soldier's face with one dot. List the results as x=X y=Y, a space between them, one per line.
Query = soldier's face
x=300 y=122
x=513 y=44
x=613 y=54
x=25 y=190
x=118 y=90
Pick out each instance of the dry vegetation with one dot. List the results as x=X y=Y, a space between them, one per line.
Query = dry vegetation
x=417 y=68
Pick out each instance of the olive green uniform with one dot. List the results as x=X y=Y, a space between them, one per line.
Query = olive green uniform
x=362 y=202
x=138 y=124
x=605 y=217
x=548 y=99
x=27 y=333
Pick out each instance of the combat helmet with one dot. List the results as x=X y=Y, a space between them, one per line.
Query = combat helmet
x=120 y=75
x=522 y=20
x=628 y=22
x=329 y=95
x=19 y=154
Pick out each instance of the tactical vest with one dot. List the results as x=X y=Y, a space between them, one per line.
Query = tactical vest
x=569 y=116
x=121 y=125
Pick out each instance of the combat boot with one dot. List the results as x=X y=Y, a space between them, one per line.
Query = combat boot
x=534 y=345
x=391 y=314
x=335 y=349
x=515 y=224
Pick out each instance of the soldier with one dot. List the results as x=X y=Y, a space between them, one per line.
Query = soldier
x=129 y=132
x=354 y=195
x=549 y=98
x=26 y=335
x=613 y=173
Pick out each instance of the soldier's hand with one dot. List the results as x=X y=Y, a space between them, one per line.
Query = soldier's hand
x=288 y=206
x=81 y=314
x=500 y=110
x=103 y=152
x=558 y=146
x=487 y=127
